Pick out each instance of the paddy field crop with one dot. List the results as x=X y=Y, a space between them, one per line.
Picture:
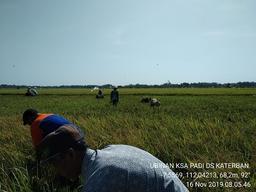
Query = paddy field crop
x=191 y=126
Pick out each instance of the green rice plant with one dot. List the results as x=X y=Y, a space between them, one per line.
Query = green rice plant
x=191 y=125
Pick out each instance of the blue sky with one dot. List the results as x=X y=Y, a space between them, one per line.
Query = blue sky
x=55 y=42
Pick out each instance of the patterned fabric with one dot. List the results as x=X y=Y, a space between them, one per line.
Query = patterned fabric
x=123 y=168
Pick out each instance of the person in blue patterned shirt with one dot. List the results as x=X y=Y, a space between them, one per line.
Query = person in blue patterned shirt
x=119 y=168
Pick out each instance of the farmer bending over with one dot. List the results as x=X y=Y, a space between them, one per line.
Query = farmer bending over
x=119 y=168
x=42 y=124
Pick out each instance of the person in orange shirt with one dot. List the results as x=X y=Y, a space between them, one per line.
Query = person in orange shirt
x=42 y=124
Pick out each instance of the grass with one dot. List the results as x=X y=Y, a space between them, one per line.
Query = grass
x=192 y=125
x=136 y=91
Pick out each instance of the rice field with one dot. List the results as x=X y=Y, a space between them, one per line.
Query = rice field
x=191 y=126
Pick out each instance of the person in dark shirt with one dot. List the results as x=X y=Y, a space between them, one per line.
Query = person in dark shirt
x=114 y=96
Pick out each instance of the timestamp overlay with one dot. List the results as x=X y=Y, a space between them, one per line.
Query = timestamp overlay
x=225 y=176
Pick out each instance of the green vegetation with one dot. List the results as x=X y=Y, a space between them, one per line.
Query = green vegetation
x=136 y=91
x=192 y=125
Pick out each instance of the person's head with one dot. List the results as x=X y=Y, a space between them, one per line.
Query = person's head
x=29 y=116
x=64 y=149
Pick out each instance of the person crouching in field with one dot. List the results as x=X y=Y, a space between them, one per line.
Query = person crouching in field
x=100 y=94
x=114 y=96
x=42 y=124
x=120 y=168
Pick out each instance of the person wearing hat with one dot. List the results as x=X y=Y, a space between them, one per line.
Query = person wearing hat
x=114 y=96
x=120 y=168
x=42 y=124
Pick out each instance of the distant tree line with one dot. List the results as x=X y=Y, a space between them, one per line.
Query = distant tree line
x=165 y=85
x=211 y=85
